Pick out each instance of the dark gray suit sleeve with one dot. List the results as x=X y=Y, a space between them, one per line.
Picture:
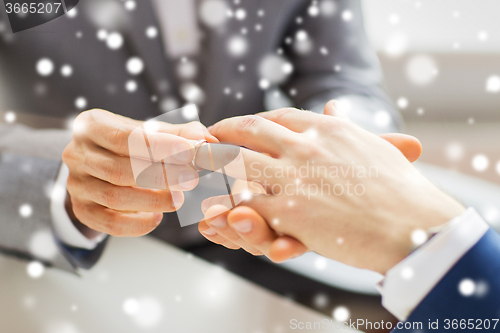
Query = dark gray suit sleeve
x=341 y=63
x=29 y=164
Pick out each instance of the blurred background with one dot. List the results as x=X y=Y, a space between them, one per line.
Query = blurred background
x=441 y=61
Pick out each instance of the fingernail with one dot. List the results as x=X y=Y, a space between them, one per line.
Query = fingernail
x=243 y=226
x=205 y=205
x=209 y=232
x=219 y=222
x=159 y=218
x=177 y=199
x=182 y=153
x=187 y=179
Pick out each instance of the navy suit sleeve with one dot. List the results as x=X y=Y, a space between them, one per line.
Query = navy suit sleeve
x=455 y=312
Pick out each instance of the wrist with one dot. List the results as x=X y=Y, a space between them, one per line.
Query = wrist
x=414 y=224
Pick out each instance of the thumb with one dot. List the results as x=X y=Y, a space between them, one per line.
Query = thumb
x=407 y=144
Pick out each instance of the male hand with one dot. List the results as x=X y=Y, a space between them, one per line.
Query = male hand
x=103 y=191
x=370 y=231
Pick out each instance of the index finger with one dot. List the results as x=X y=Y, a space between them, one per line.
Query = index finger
x=112 y=133
x=236 y=162
x=255 y=133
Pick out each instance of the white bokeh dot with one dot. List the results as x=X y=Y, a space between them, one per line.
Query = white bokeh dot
x=328 y=7
x=66 y=70
x=131 y=86
x=454 y=151
x=320 y=263
x=320 y=301
x=421 y=69
x=10 y=117
x=72 y=13
x=192 y=92
x=102 y=34
x=81 y=102
x=114 y=40
x=493 y=84
x=480 y=162
x=341 y=313
x=131 y=306
x=274 y=68
x=407 y=273
x=45 y=67
x=402 y=102
x=237 y=46
x=313 y=10
x=240 y=14
x=467 y=287
x=35 y=269
x=264 y=84
x=382 y=119
x=190 y=112
x=498 y=168
x=396 y=44
x=482 y=36
x=151 y=32
x=149 y=312
x=303 y=44
x=130 y=5
x=418 y=237
x=135 y=66
x=25 y=210
x=312 y=134
x=213 y=13
x=42 y=245
x=347 y=15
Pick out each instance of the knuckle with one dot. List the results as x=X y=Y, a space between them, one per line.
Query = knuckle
x=248 y=123
x=111 y=198
x=118 y=139
x=157 y=202
x=113 y=226
x=72 y=183
x=113 y=172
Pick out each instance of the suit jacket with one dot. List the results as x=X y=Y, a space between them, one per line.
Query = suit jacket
x=99 y=75
x=446 y=309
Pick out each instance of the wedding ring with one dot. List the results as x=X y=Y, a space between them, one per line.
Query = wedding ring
x=197 y=146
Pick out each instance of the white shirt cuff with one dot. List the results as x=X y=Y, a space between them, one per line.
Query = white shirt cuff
x=63 y=226
x=408 y=283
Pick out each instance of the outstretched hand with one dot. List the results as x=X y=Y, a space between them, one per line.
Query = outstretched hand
x=243 y=227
